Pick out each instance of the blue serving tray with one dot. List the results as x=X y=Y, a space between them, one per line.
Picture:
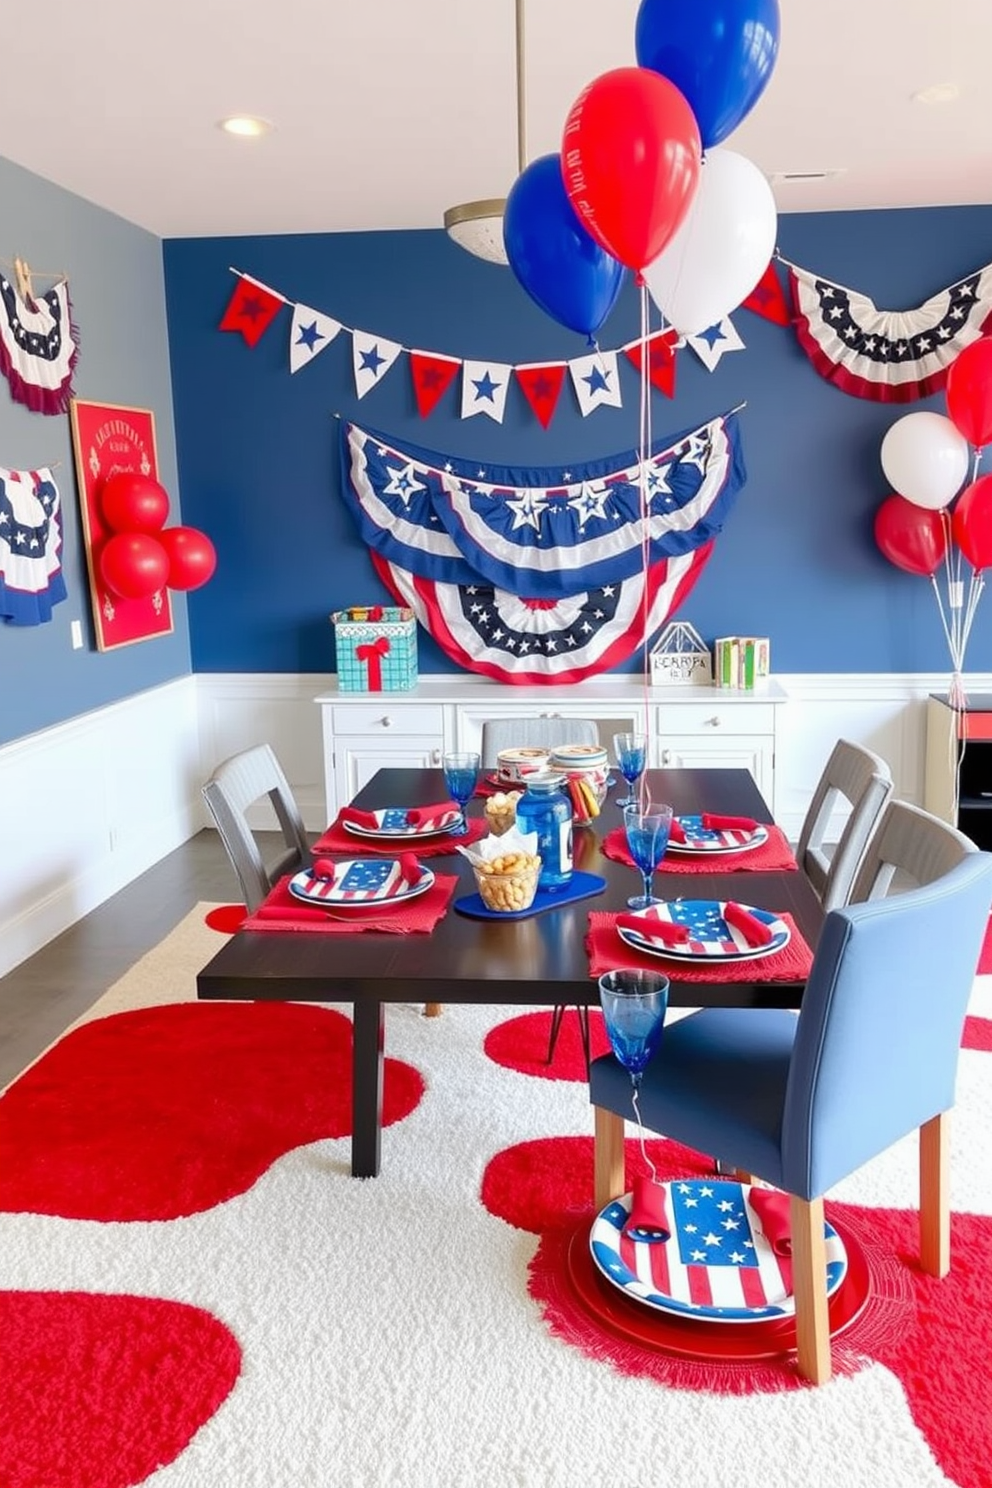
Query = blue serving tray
x=579 y=886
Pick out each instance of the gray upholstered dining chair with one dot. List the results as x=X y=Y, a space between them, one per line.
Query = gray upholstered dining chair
x=239 y=783
x=534 y=733
x=802 y=1102
x=862 y=779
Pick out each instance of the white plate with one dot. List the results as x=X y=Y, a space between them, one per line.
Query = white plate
x=700 y=839
x=711 y=938
x=360 y=883
x=717 y=1266
x=393 y=824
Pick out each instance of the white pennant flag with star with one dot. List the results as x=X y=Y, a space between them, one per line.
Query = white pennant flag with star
x=484 y=386
x=710 y=345
x=372 y=357
x=596 y=380
x=311 y=332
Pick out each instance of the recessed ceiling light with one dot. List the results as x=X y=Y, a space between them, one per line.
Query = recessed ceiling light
x=810 y=175
x=245 y=126
x=938 y=93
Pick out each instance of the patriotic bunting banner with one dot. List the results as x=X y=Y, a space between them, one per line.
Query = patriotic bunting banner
x=31 y=579
x=484 y=386
x=891 y=356
x=529 y=641
x=251 y=309
x=311 y=332
x=544 y=533
x=661 y=359
x=432 y=376
x=541 y=385
x=596 y=380
x=712 y=344
x=767 y=298
x=372 y=358
x=38 y=347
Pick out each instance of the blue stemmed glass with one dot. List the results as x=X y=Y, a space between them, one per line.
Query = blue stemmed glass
x=461 y=773
x=634 y=1004
x=647 y=828
x=631 y=752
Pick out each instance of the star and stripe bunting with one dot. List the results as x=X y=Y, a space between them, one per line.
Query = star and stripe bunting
x=543 y=533
x=31 y=580
x=39 y=347
x=890 y=356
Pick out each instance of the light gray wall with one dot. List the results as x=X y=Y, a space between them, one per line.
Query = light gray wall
x=117 y=291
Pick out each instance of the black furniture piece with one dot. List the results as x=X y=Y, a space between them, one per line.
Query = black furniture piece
x=539 y=961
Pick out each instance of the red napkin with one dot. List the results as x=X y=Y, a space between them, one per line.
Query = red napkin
x=648 y=1217
x=714 y=823
x=756 y=932
x=429 y=816
x=282 y=913
x=607 y=952
x=657 y=928
x=410 y=868
x=337 y=840
x=359 y=818
x=325 y=868
x=676 y=832
x=772 y=1208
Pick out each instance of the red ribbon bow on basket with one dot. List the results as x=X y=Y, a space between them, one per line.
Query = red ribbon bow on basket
x=372 y=653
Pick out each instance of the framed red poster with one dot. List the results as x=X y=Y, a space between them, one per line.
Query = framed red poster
x=108 y=438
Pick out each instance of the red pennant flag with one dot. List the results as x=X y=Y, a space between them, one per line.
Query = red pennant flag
x=432 y=376
x=768 y=298
x=542 y=385
x=251 y=309
x=661 y=359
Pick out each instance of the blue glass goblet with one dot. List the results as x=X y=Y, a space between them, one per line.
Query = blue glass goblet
x=631 y=753
x=647 y=828
x=461 y=773
x=634 y=1004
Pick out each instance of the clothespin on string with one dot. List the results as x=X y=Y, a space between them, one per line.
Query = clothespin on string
x=22 y=276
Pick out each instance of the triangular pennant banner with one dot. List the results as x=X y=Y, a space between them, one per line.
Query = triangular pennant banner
x=484 y=386
x=768 y=298
x=372 y=358
x=596 y=379
x=711 y=344
x=541 y=384
x=251 y=309
x=661 y=359
x=432 y=376
x=310 y=334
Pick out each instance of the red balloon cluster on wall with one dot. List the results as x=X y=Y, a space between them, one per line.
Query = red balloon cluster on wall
x=143 y=555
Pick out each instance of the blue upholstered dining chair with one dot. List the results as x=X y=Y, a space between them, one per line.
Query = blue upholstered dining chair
x=802 y=1102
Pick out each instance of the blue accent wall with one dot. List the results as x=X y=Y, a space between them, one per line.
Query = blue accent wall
x=118 y=300
x=797 y=560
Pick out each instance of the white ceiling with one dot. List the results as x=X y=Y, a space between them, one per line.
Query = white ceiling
x=388 y=111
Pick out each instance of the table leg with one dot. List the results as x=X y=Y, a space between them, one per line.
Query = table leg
x=366 y=1099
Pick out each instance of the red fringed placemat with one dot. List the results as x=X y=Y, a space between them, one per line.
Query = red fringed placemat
x=280 y=911
x=773 y=856
x=607 y=952
x=337 y=840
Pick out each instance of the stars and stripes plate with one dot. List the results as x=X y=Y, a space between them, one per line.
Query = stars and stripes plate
x=710 y=937
x=700 y=839
x=717 y=1266
x=395 y=821
x=360 y=883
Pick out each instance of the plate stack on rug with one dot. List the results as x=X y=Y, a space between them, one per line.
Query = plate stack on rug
x=195 y=1291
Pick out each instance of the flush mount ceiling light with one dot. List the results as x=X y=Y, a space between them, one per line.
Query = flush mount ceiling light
x=938 y=93
x=478 y=226
x=777 y=177
x=245 y=126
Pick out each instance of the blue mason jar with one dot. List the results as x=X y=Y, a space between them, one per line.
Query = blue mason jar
x=544 y=809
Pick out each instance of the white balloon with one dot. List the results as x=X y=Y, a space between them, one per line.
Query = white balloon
x=925 y=459
x=722 y=247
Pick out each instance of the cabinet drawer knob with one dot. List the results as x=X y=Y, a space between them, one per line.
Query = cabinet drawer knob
x=715 y=721
x=386 y=721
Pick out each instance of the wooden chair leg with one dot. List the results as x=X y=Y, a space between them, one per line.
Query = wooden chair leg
x=433 y=1009
x=809 y=1283
x=935 y=1202
x=609 y=1166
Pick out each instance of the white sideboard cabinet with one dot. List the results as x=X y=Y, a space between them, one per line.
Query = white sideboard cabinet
x=706 y=727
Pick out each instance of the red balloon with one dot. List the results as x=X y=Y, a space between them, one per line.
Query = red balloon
x=912 y=537
x=969 y=392
x=134 y=565
x=630 y=161
x=971 y=524
x=191 y=556
x=132 y=502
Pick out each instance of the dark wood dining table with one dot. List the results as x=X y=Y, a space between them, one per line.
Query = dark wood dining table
x=537 y=961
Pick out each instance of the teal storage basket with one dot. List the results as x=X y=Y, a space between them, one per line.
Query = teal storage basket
x=376 y=648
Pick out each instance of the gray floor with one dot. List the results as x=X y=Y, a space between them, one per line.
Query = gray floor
x=42 y=996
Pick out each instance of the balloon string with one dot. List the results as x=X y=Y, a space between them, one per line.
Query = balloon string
x=640 y=1135
x=645 y=514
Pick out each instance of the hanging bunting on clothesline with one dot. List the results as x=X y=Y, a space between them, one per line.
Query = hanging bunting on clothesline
x=596 y=380
x=484 y=386
x=251 y=309
x=372 y=357
x=543 y=533
x=310 y=334
x=768 y=298
x=712 y=344
x=31 y=579
x=39 y=346
x=890 y=356
x=661 y=359
x=541 y=384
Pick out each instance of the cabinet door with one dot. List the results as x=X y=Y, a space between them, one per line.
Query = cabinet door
x=727 y=752
x=357 y=759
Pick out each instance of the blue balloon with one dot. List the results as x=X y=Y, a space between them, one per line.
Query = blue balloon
x=718 y=53
x=561 y=267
